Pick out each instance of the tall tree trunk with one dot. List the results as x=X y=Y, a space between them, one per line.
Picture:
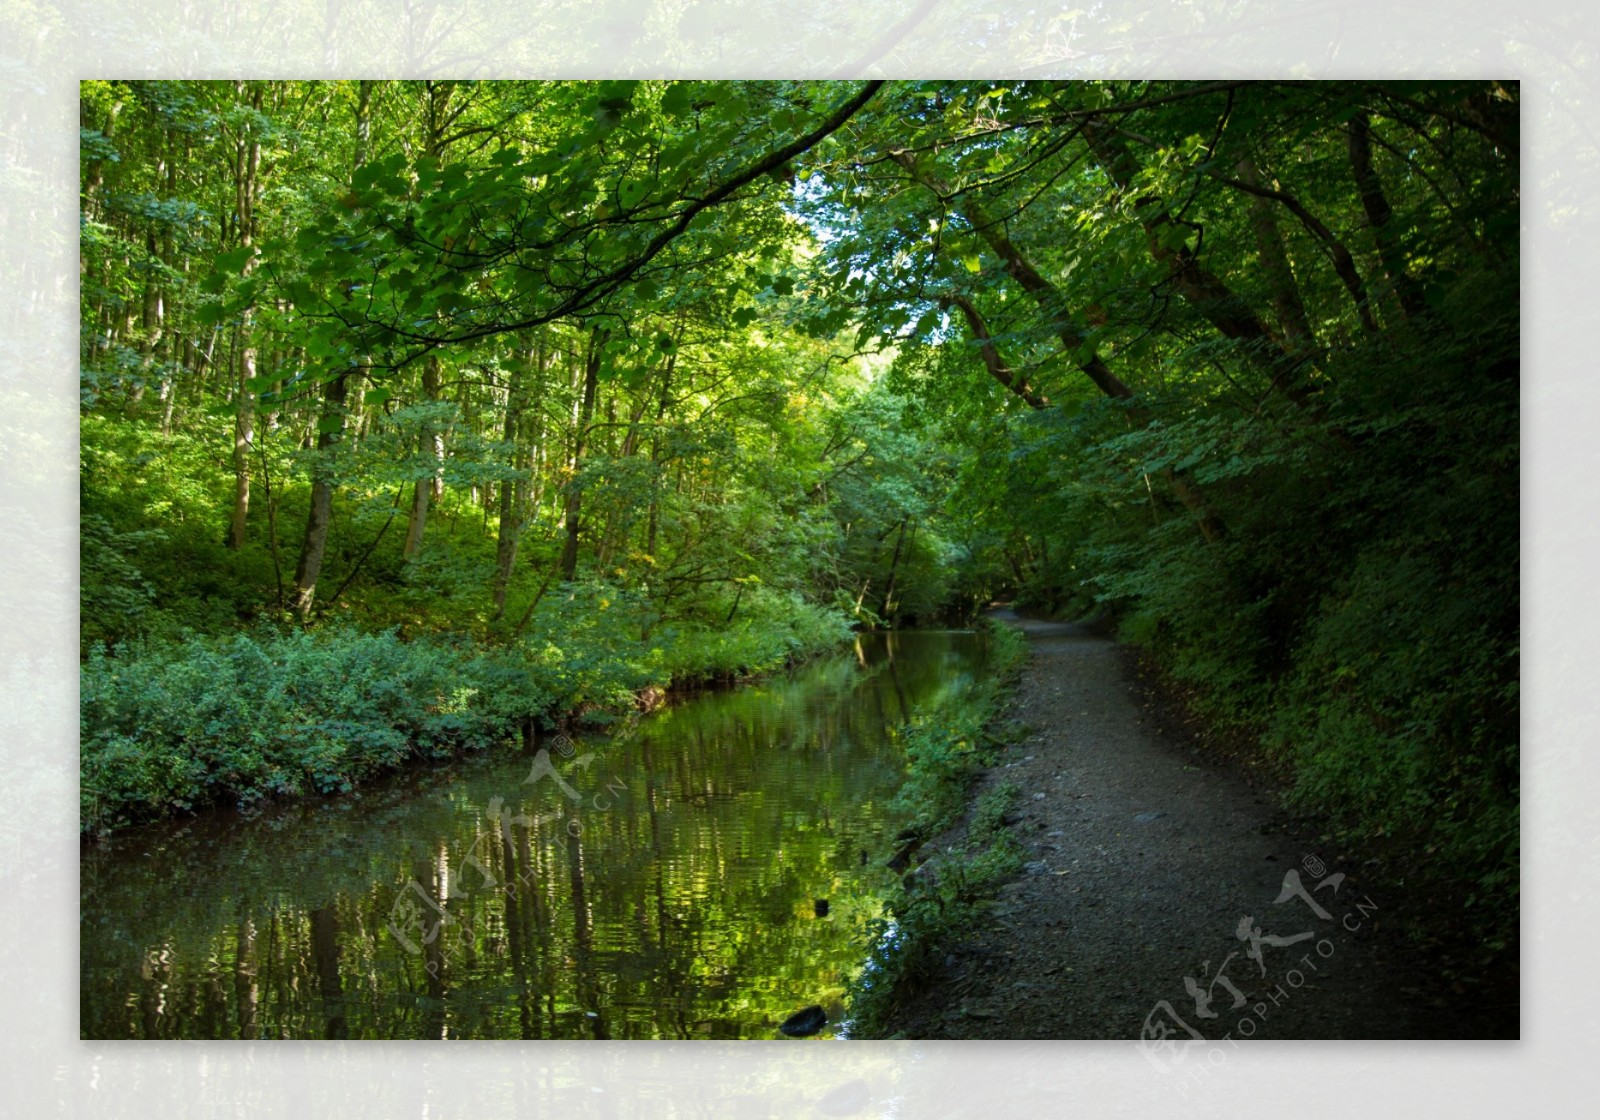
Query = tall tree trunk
x=1203 y=290
x=894 y=575
x=243 y=433
x=247 y=162
x=1211 y=527
x=94 y=173
x=621 y=518
x=330 y=425
x=1275 y=267
x=1050 y=301
x=431 y=439
x=511 y=509
x=992 y=360
x=169 y=257
x=591 y=386
x=1044 y=293
x=330 y=428
x=1343 y=263
x=1053 y=306
x=662 y=403
x=1379 y=218
x=152 y=322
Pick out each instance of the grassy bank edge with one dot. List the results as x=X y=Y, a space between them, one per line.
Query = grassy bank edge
x=947 y=893
x=169 y=728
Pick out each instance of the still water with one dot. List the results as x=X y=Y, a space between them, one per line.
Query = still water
x=660 y=884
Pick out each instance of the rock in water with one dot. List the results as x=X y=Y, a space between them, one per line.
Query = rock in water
x=805 y=1022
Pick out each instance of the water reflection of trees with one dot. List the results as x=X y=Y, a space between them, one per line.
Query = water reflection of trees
x=682 y=910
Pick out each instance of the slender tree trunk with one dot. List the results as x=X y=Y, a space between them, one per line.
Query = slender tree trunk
x=247 y=162
x=330 y=426
x=1218 y=304
x=1050 y=301
x=152 y=321
x=1379 y=218
x=1275 y=267
x=1343 y=263
x=662 y=403
x=894 y=574
x=622 y=518
x=243 y=433
x=430 y=490
x=272 y=516
x=510 y=531
x=591 y=386
x=94 y=173
x=432 y=442
x=315 y=546
x=1053 y=305
x=170 y=353
x=996 y=365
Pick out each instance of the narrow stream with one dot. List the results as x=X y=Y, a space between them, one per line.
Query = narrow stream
x=665 y=885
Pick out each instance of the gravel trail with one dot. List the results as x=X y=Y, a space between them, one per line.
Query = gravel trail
x=1144 y=856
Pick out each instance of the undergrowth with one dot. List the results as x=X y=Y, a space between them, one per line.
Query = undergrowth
x=946 y=750
x=168 y=726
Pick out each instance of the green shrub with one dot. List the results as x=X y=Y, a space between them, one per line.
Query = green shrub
x=945 y=750
x=175 y=725
x=769 y=630
x=167 y=726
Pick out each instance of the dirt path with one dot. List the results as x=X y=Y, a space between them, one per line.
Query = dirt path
x=1144 y=857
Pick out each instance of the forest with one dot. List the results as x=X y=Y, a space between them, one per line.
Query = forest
x=419 y=415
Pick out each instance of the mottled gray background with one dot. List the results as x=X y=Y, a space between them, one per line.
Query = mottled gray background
x=45 y=47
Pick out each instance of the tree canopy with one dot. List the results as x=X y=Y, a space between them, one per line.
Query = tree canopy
x=1236 y=362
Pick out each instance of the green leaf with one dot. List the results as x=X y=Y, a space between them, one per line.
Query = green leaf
x=632 y=192
x=319 y=345
x=1172 y=236
x=619 y=93
x=234 y=260
x=675 y=102
x=973 y=261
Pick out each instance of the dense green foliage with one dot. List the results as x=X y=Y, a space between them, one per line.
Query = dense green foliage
x=682 y=377
x=175 y=725
x=1252 y=388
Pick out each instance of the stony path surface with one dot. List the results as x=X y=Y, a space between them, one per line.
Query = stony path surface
x=1144 y=857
